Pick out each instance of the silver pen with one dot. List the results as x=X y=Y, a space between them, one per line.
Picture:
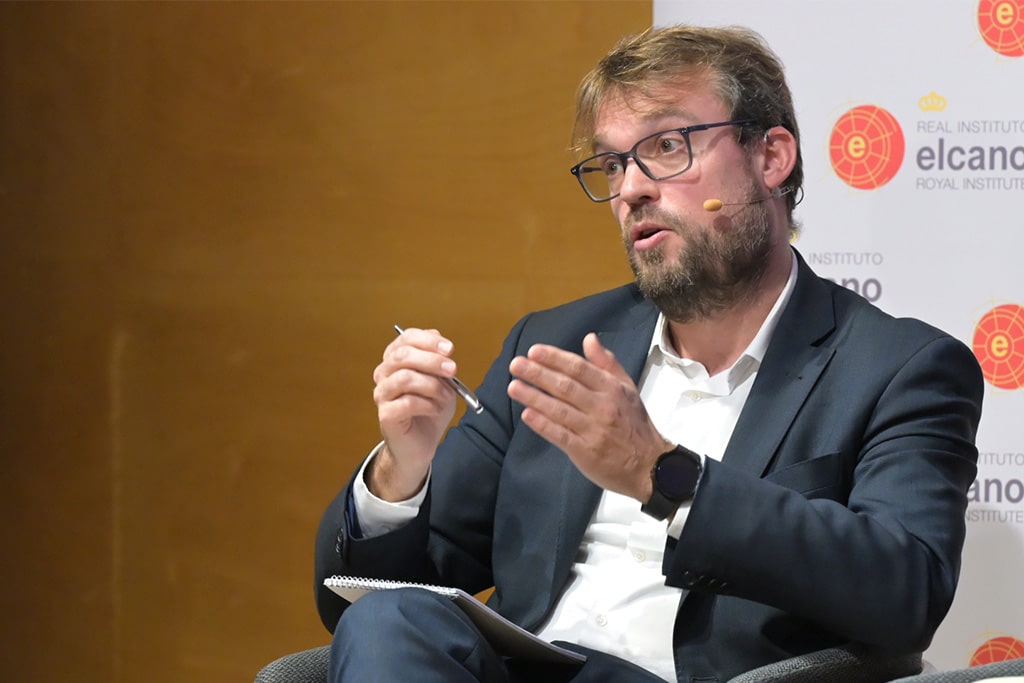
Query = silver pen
x=461 y=389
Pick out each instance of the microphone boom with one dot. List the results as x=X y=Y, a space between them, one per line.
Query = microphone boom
x=715 y=204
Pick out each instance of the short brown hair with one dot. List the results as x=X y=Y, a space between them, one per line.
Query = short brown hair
x=747 y=75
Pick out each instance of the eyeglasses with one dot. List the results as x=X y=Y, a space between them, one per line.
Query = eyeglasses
x=660 y=156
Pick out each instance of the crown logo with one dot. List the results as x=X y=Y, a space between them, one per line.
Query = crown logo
x=932 y=102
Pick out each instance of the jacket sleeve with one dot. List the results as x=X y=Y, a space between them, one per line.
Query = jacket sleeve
x=452 y=548
x=863 y=536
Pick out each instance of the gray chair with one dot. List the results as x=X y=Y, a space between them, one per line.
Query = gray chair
x=307 y=666
x=847 y=664
x=1012 y=667
x=850 y=663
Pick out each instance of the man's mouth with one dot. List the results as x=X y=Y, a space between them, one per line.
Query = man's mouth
x=647 y=236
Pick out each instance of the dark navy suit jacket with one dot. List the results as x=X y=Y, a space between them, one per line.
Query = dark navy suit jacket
x=836 y=513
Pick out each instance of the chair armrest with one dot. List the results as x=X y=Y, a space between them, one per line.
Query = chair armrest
x=307 y=666
x=845 y=664
x=995 y=670
x=849 y=663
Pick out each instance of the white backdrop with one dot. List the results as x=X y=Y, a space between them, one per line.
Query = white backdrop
x=912 y=124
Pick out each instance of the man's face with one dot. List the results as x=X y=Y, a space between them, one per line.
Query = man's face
x=692 y=263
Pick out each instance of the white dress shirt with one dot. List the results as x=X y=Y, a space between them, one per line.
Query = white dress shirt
x=616 y=599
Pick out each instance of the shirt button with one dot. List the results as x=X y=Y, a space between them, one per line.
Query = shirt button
x=601 y=620
x=639 y=555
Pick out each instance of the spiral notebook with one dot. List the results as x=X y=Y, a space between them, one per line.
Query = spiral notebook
x=507 y=638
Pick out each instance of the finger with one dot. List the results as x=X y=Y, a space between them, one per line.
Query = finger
x=540 y=401
x=553 y=419
x=563 y=361
x=403 y=409
x=428 y=340
x=561 y=373
x=551 y=384
x=603 y=358
x=431 y=360
x=405 y=383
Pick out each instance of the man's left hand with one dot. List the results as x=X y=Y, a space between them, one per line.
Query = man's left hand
x=590 y=408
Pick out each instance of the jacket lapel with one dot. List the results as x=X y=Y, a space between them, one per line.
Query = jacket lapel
x=795 y=359
x=580 y=496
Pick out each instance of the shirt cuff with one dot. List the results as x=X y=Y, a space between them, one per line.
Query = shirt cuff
x=376 y=516
x=678 y=521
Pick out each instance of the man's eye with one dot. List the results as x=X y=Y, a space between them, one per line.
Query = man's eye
x=611 y=166
x=670 y=144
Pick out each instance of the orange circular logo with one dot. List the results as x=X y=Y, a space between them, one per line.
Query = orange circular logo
x=866 y=147
x=999 y=649
x=999 y=346
x=1001 y=23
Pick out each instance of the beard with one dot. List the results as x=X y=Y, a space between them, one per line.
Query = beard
x=712 y=271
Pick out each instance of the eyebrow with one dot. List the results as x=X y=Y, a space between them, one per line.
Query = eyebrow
x=660 y=112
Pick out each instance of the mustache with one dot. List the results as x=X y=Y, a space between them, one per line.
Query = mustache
x=650 y=214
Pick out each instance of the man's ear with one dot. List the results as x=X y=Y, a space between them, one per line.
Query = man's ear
x=780 y=151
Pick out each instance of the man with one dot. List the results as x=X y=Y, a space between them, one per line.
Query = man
x=728 y=463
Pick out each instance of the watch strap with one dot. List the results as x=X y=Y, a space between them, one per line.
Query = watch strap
x=664 y=503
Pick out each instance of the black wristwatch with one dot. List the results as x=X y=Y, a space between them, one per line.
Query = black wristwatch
x=675 y=476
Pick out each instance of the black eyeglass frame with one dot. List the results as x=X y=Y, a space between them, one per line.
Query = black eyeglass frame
x=623 y=157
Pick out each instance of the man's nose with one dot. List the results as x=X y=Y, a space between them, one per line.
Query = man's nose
x=636 y=186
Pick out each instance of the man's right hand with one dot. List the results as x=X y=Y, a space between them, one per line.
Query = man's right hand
x=414 y=407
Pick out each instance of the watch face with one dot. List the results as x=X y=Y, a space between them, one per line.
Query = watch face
x=677 y=476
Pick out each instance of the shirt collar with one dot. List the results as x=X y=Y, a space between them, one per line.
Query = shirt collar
x=755 y=351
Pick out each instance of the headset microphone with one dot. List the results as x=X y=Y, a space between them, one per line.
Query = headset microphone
x=717 y=204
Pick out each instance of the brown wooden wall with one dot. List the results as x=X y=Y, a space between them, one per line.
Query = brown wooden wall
x=212 y=214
